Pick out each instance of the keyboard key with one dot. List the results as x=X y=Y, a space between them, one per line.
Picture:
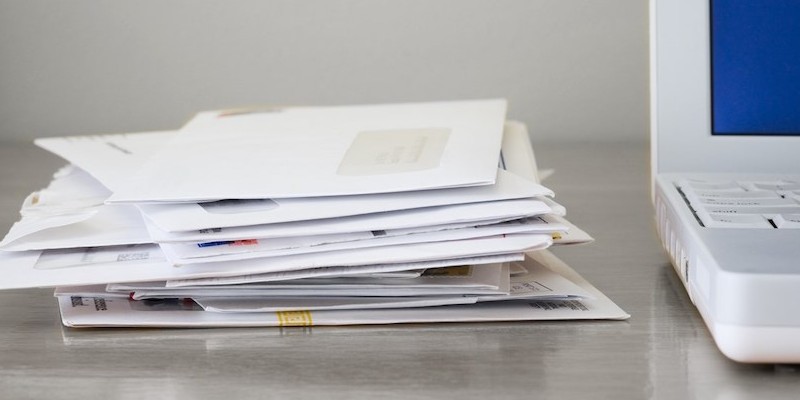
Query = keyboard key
x=738 y=194
x=780 y=201
x=701 y=185
x=783 y=185
x=787 y=221
x=754 y=210
x=737 y=221
x=794 y=195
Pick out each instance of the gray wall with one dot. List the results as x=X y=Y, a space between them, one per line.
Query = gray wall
x=571 y=69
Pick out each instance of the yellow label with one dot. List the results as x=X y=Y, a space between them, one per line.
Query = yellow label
x=556 y=236
x=294 y=318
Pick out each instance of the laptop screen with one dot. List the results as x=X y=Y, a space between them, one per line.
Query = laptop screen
x=755 y=67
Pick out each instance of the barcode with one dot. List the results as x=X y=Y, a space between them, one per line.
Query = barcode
x=573 y=305
x=77 y=301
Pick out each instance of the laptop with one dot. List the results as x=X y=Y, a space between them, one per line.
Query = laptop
x=725 y=138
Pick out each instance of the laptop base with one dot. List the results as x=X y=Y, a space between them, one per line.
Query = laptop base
x=750 y=304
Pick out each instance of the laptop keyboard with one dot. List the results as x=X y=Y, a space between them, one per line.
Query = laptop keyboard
x=744 y=204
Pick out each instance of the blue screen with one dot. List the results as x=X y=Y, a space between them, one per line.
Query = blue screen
x=755 y=67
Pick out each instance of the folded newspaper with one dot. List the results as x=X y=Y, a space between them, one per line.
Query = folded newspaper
x=424 y=223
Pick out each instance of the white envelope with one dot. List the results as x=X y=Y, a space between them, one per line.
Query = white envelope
x=422 y=217
x=325 y=151
x=111 y=159
x=288 y=304
x=538 y=282
x=191 y=253
x=70 y=213
x=472 y=276
x=492 y=279
x=177 y=217
x=571 y=234
x=357 y=270
x=112 y=226
x=147 y=263
x=417 y=252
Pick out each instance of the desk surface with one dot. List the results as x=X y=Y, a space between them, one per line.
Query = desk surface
x=663 y=351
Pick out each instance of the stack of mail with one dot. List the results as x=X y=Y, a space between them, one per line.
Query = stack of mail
x=293 y=210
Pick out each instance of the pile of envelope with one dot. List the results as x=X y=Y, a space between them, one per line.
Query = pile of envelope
x=298 y=216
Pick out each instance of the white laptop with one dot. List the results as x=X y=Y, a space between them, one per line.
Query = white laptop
x=725 y=133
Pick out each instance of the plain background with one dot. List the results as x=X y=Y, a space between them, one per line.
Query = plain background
x=571 y=69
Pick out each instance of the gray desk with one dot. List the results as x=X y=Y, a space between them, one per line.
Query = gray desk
x=664 y=350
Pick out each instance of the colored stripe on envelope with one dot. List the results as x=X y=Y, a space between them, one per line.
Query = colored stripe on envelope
x=246 y=242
